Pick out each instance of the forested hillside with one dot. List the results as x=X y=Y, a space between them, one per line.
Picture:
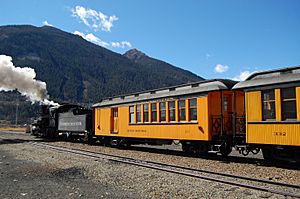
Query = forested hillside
x=78 y=71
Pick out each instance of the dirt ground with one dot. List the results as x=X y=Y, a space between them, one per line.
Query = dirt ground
x=30 y=179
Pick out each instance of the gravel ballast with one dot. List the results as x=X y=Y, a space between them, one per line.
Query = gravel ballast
x=33 y=172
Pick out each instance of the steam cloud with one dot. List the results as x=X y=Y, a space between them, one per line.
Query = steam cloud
x=22 y=79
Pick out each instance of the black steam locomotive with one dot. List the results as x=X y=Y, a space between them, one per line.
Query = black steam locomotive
x=68 y=120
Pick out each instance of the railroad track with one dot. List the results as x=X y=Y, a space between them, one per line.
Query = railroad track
x=234 y=180
x=239 y=181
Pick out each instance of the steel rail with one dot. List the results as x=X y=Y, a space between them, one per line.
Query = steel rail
x=155 y=165
x=199 y=170
x=187 y=172
x=195 y=170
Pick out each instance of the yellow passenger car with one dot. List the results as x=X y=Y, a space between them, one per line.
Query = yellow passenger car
x=198 y=115
x=272 y=102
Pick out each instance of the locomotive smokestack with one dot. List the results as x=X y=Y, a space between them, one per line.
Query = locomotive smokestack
x=22 y=79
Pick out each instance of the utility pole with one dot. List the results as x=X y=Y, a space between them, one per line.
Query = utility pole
x=17 y=108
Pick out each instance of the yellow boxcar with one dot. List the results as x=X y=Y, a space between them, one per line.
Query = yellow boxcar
x=198 y=115
x=272 y=102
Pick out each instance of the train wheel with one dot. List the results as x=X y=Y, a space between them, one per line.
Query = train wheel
x=225 y=149
x=191 y=149
x=268 y=155
x=91 y=140
x=183 y=147
x=88 y=138
x=202 y=150
x=186 y=148
x=106 y=141
x=126 y=144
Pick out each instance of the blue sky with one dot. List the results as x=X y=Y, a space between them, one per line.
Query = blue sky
x=213 y=38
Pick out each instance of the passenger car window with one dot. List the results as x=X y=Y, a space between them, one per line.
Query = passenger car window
x=153 y=113
x=182 y=115
x=288 y=104
x=138 y=113
x=268 y=105
x=131 y=114
x=162 y=111
x=146 y=113
x=193 y=109
x=172 y=111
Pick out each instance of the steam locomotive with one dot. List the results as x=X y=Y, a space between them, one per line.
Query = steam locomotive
x=67 y=120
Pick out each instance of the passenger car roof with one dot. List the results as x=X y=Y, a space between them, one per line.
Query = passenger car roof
x=271 y=78
x=174 y=91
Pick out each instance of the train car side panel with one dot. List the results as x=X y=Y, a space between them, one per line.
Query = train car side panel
x=102 y=125
x=203 y=118
x=275 y=130
x=298 y=103
x=181 y=130
x=277 y=105
x=275 y=134
x=184 y=130
x=253 y=108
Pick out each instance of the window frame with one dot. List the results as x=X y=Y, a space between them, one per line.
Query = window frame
x=270 y=102
x=161 y=111
x=180 y=109
x=138 y=115
x=172 y=109
x=131 y=115
x=191 y=108
x=154 y=112
x=145 y=113
x=284 y=100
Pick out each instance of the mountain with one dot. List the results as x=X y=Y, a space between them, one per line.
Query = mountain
x=162 y=68
x=76 y=70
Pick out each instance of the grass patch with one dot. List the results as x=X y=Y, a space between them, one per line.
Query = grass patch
x=17 y=129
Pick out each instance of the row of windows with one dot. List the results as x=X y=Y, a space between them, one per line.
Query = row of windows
x=288 y=104
x=151 y=111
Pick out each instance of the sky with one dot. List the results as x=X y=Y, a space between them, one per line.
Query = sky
x=211 y=38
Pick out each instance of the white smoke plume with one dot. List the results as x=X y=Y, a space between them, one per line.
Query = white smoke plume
x=22 y=79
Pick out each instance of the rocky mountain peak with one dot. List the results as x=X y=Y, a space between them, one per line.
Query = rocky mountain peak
x=134 y=55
